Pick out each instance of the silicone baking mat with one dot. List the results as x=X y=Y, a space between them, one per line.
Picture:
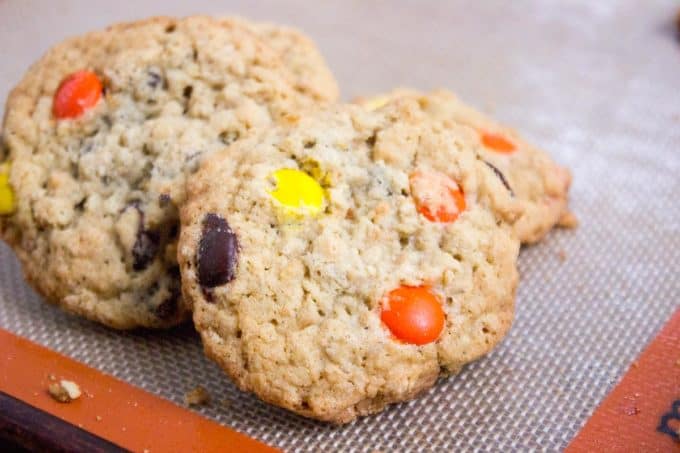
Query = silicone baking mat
x=595 y=83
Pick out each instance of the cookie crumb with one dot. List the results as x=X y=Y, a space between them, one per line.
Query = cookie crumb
x=631 y=410
x=98 y=418
x=568 y=220
x=51 y=377
x=197 y=397
x=635 y=364
x=64 y=391
x=677 y=364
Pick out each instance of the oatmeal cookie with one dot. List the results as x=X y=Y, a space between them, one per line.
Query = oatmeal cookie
x=98 y=139
x=344 y=262
x=539 y=184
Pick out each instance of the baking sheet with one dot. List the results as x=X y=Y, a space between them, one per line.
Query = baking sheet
x=595 y=83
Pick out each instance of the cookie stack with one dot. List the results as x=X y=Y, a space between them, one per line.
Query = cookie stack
x=335 y=258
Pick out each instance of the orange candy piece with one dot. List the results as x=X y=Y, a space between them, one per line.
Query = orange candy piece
x=437 y=196
x=76 y=93
x=497 y=142
x=413 y=314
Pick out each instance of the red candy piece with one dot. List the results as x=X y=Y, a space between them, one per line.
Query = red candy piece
x=76 y=93
x=497 y=142
x=413 y=314
x=437 y=196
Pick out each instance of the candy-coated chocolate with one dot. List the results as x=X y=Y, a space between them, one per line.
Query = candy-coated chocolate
x=297 y=192
x=413 y=314
x=497 y=142
x=437 y=196
x=76 y=93
x=6 y=194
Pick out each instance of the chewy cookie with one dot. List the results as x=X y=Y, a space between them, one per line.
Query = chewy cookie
x=539 y=184
x=344 y=262
x=99 y=137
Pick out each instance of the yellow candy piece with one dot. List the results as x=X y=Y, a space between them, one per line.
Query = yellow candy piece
x=6 y=193
x=297 y=192
x=376 y=102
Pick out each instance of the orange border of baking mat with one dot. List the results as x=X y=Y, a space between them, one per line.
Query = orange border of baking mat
x=642 y=413
x=110 y=408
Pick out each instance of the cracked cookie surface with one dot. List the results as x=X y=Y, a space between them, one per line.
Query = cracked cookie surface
x=305 y=247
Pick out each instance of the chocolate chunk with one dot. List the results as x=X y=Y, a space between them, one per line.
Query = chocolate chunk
x=164 y=199
x=146 y=244
x=145 y=248
x=168 y=308
x=501 y=176
x=217 y=252
x=154 y=79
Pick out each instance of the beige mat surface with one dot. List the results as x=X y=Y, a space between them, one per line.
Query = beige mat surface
x=596 y=83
